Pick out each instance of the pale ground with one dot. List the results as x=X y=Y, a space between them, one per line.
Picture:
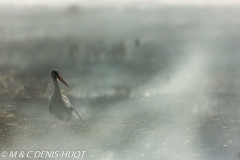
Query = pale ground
x=149 y=84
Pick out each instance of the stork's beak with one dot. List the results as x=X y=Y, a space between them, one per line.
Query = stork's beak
x=61 y=79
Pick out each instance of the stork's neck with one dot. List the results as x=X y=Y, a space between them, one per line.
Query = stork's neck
x=57 y=88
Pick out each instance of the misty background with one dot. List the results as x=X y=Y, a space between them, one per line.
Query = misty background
x=152 y=82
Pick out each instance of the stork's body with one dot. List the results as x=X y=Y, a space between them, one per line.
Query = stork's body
x=59 y=105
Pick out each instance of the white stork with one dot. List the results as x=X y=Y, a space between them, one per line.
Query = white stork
x=59 y=105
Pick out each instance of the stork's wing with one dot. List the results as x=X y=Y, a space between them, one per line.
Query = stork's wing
x=66 y=101
x=68 y=105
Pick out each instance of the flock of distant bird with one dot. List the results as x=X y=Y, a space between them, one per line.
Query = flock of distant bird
x=59 y=105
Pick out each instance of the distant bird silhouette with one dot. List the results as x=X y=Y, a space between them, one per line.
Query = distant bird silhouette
x=59 y=105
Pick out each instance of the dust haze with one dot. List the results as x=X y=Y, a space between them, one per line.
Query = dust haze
x=160 y=82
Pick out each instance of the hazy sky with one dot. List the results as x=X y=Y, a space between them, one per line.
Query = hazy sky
x=118 y=2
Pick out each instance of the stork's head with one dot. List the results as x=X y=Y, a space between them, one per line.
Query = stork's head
x=55 y=74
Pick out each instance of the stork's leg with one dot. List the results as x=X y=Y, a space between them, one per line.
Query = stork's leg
x=65 y=123
x=55 y=122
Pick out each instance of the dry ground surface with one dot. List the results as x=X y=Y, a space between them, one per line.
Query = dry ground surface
x=147 y=88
